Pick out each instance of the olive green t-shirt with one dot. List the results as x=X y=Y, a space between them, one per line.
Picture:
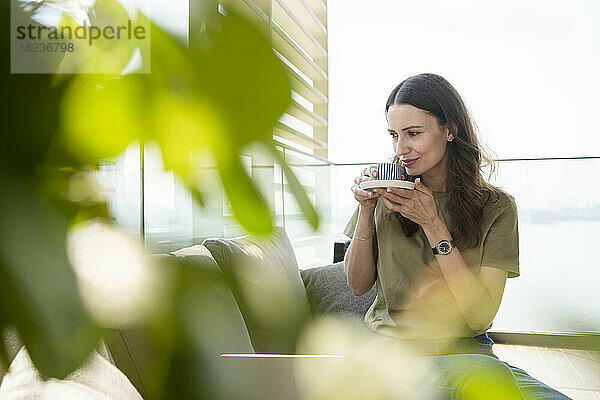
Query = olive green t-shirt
x=413 y=299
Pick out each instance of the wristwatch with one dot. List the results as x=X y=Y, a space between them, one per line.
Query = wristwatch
x=443 y=247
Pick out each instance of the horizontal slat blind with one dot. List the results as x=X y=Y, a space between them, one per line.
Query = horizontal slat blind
x=289 y=133
x=298 y=32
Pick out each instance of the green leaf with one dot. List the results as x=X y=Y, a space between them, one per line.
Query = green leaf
x=245 y=78
x=306 y=206
x=249 y=206
x=103 y=55
x=193 y=102
x=101 y=116
x=29 y=113
x=37 y=285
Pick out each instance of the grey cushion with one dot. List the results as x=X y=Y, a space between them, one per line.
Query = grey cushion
x=328 y=292
x=270 y=291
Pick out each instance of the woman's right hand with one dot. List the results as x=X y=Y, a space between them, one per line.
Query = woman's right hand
x=366 y=198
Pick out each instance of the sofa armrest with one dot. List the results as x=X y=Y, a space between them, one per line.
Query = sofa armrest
x=339 y=250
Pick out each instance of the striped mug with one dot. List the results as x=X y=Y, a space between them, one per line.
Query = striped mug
x=389 y=171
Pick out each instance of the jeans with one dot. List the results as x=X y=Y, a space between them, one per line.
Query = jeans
x=467 y=368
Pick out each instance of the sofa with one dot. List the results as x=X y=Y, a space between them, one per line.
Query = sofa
x=308 y=293
x=315 y=291
x=125 y=367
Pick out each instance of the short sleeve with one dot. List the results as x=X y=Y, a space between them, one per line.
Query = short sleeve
x=501 y=244
x=351 y=226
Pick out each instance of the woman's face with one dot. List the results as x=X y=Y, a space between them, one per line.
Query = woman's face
x=416 y=135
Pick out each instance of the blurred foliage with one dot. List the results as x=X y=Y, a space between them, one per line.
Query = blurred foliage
x=369 y=368
x=105 y=55
x=206 y=102
x=37 y=286
x=384 y=368
x=194 y=103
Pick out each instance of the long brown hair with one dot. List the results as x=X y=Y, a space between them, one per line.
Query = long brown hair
x=467 y=190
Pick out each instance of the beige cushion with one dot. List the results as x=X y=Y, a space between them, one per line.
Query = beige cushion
x=97 y=379
x=13 y=344
x=271 y=294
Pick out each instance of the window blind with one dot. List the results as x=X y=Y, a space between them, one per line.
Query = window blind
x=298 y=33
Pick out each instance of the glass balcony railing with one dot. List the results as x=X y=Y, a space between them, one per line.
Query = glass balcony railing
x=559 y=223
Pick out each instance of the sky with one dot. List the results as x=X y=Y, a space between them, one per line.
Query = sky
x=526 y=70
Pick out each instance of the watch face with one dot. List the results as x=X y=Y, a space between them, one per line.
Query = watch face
x=444 y=247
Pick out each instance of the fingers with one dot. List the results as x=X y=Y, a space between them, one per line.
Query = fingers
x=361 y=194
x=365 y=194
x=393 y=197
x=399 y=192
x=367 y=174
x=391 y=205
x=371 y=172
x=420 y=187
x=402 y=209
x=362 y=178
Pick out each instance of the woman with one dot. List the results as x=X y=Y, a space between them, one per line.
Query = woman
x=441 y=253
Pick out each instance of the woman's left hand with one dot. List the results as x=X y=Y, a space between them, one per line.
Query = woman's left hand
x=416 y=204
